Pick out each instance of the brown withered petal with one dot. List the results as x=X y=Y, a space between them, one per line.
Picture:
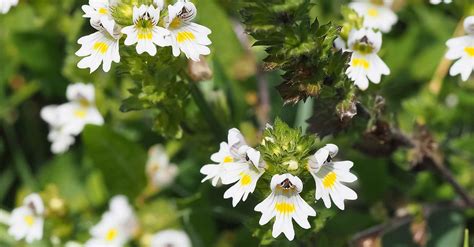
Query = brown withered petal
x=370 y=241
x=425 y=151
x=199 y=71
x=419 y=232
x=381 y=140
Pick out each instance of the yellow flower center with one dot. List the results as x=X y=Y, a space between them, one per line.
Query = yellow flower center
x=29 y=220
x=155 y=167
x=101 y=47
x=103 y=11
x=80 y=113
x=185 y=36
x=175 y=23
x=147 y=35
x=228 y=159
x=329 y=180
x=372 y=12
x=362 y=62
x=111 y=234
x=469 y=50
x=245 y=179
x=285 y=207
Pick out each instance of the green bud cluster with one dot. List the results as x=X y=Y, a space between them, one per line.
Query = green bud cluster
x=301 y=47
x=286 y=150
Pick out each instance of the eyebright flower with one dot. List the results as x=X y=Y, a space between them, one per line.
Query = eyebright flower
x=248 y=173
x=462 y=48
x=101 y=47
x=186 y=36
x=5 y=5
x=377 y=13
x=68 y=120
x=230 y=152
x=329 y=177
x=365 y=64
x=158 y=168
x=26 y=222
x=285 y=204
x=100 y=14
x=145 y=30
x=171 y=238
x=440 y=1
x=116 y=226
x=61 y=140
x=81 y=108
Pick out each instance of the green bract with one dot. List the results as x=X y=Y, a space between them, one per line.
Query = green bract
x=286 y=150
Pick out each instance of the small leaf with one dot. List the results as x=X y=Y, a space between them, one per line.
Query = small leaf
x=122 y=162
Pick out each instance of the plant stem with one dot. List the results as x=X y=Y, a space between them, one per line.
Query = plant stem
x=20 y=163
x=443 y=67
x=208 y=114
x=394 y=223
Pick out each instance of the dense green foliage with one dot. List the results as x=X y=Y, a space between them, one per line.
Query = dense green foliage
x=398 y=133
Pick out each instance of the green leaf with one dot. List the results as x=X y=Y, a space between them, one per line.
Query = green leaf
x=121 y=161
x=64 y=173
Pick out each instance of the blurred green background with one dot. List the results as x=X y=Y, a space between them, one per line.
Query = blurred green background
x=37 y=62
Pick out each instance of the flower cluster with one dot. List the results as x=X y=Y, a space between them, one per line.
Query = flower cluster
x=146 y=31
x=462 y=50
x=365 y=41
x=118 y=225
x=5 y=5
x=68 y=120
x=243 y=166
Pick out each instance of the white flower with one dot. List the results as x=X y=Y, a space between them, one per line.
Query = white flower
x=101 y=47
x=377 y=13
x=440 y=1
x=100 y=13
x=68 y=120
x=5 y=5
x=145 y=30
x=365 y=64
x=116 y=226
x=61 y=140
x=462 y=50
x=158 y=168
x=340 y=44
x=285 y=204
x=26 y=222
x=81 y=108
x=186 y=36
x=329 y=177
x=171 y=238
x=248 y=174
x=159 y=4
x=230 y=153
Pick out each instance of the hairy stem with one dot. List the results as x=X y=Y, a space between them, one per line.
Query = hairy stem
x=394 y=223
x=443 y=67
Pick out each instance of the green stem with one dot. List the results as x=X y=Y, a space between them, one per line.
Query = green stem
x=208 y=114
x=19 y=159
x=6 y=180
